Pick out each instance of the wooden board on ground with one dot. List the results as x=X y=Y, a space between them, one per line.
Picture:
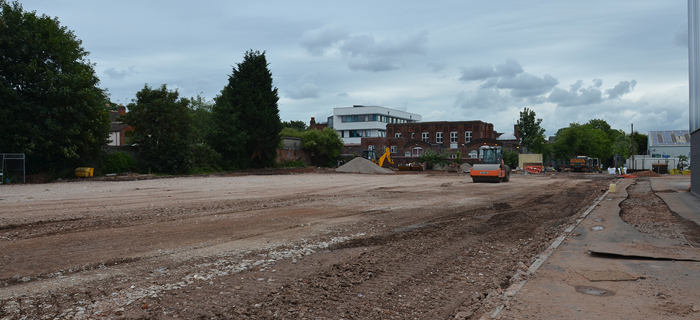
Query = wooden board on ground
x=647 y=251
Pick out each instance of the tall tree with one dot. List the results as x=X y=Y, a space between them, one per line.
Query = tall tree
x=640 y=143
x=162 y=129
x=50 y=106
x=246 y=116
x=530 y=132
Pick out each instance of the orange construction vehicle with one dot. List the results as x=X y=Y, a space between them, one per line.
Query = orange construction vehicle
x=491 y=168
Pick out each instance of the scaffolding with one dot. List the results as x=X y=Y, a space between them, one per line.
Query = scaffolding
x=10 y=163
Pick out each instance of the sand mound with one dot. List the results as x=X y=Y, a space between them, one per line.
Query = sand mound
x=647 y=173
x=362 y=165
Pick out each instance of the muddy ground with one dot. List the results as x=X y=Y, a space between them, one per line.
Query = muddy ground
x=313 y=245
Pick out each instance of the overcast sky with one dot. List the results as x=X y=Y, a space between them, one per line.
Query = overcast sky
x=570 y=61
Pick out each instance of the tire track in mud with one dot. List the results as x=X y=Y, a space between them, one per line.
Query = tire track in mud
x=430 y=271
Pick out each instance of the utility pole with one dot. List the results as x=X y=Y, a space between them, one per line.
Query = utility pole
x=634 y=166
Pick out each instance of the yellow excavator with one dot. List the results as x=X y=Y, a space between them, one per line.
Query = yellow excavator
x=372 y=156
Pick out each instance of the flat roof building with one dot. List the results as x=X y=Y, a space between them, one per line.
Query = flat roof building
x=357 y=122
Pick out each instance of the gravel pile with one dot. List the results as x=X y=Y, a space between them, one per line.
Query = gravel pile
x=362 y=165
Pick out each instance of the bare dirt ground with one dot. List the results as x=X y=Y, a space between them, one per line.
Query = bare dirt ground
x=317 y=245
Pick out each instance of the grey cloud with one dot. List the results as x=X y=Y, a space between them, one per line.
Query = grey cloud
x=304 y=88
x=524 y=85
x=317 y=41
x=680 y=37
x=485 y=99
x=510 y=68
x=436 y=67
x=621 y=89
x=120 y=74
x=375 y=64
x=477 y=73
x=578 y=97
x=342 y=94
x=365 y=53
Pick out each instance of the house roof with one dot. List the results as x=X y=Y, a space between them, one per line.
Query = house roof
x=115 y=126
x=669 y=138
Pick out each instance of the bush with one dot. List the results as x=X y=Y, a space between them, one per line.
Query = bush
x=205 y=160
x=431 y=158
x=510 y=158
x=291 y=164
x=117 y=162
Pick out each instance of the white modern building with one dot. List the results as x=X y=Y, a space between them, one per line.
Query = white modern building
x=663 y=147
x=354 y=123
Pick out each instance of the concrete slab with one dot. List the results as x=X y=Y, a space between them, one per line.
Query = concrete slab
x=664 y=289
x=673 y=190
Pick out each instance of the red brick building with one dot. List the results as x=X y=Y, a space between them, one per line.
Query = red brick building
x=455 y=138
x=317 y=126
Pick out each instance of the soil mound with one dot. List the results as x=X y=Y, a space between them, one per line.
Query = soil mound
x=647 y=173
x=362 y=165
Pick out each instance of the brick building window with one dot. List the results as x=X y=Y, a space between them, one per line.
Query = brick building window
x=407 y=154
x=397 y=135
x=413 y=135
x=394 y=149
x=454 y=140
x=417 y=151
x=426 y=136
x=438 y=137
x=467 y=136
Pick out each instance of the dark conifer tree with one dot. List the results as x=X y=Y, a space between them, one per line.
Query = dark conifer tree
x=246 y=116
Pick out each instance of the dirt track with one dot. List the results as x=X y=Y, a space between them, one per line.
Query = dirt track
x=314 y=246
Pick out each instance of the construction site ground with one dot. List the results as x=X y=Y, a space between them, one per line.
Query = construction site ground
x=316 y=244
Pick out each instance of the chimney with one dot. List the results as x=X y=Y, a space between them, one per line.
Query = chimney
x=312 y=122
x=515 y=132
x=122 y=109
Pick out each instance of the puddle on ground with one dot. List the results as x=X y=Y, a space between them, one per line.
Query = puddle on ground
x=594 y=291
x=598 y=219
x=597 y=228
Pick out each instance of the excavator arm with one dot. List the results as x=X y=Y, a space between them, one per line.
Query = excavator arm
x=386 y=156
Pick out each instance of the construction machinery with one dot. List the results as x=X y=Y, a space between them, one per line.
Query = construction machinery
x=491 y=168
x=583 y=163
x=372 y=156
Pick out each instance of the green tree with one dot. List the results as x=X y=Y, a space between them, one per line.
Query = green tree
x=162 y=129
x=530 y=132
x=50 y=106
x=510 y=158
x=641 y=142
x=295 y=124
x=246 y=116
x=622 y=148
x=325 y=144
x=200 y=111
x=579 y=140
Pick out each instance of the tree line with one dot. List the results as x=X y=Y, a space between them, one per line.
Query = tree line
x=595 y=139
x=52 y=110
